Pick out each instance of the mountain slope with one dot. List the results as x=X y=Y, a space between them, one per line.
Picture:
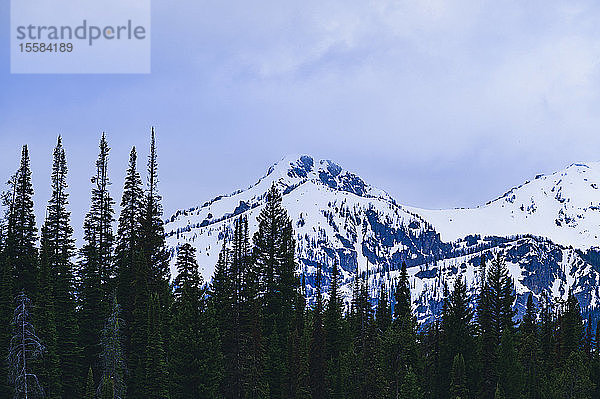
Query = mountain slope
x=339 y=217
x=563 y=206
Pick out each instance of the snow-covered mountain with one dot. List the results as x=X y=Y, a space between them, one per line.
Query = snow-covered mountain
x=338 y=216
x=563 y=206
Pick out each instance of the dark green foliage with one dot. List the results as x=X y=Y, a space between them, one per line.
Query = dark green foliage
x=399 y=345
x=196 y=361
x=21 y=254
x=90 y=390
x=251 y=335
x=127 y=251
x=107 y=389
x=457 y=333
x=6 y=309
x=410 y=388
x=495 y=313
x=335 y=337
x=46 y=319
x=574 y=377
x=571 y=328
x=57 y=285
x=402 y=303
x=595 y=364
x=430 y=355
x=96 y=263
x=383 y=313
x=530 y=352
x=458 y=378
x=509 y=369
x=318 y=367
x=151 y=278
x=156 y=381
x=274 y=248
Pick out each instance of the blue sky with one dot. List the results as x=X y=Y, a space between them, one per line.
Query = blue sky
x=440 y=103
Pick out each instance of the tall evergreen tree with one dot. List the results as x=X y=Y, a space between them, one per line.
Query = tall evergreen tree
x=127 y=251
x=457 y=332
x=317 y=369
x=402 y=302
x=400 y=342
x=196 y=367
x=57 y=281
x=495 y=315
x=383 y=313
x=96 y=263
x=21 y=254
x=151 y=276
x=274 y=248
x=333 y=324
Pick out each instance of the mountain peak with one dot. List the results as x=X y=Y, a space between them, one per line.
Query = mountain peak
x=563 y=206
x=293 y=170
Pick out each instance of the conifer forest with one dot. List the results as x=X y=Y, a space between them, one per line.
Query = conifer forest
x=108 y=320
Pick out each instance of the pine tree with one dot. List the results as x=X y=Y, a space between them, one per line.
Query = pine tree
x=57 y=282
x=383 y=314
x=21 y=254
x=196 y=366
x=113 y=360
x=457 y=332
x=151 y=277
x=333 y=325
x=495 y=315
x=273 y=252
x=410 y=388
x=127 y=251
x=400 y=342
x=96 y=263
x=402 y=302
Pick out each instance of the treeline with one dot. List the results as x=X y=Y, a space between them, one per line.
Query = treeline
x=107 y=321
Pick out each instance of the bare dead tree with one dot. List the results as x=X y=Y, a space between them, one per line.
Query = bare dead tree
x=24 y=348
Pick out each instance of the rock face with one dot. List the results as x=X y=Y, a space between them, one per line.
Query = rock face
x=542 y=228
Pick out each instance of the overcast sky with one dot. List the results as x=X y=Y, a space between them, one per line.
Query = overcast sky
x=440 y=103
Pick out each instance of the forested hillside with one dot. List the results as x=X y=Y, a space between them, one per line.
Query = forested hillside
x=111 y=320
